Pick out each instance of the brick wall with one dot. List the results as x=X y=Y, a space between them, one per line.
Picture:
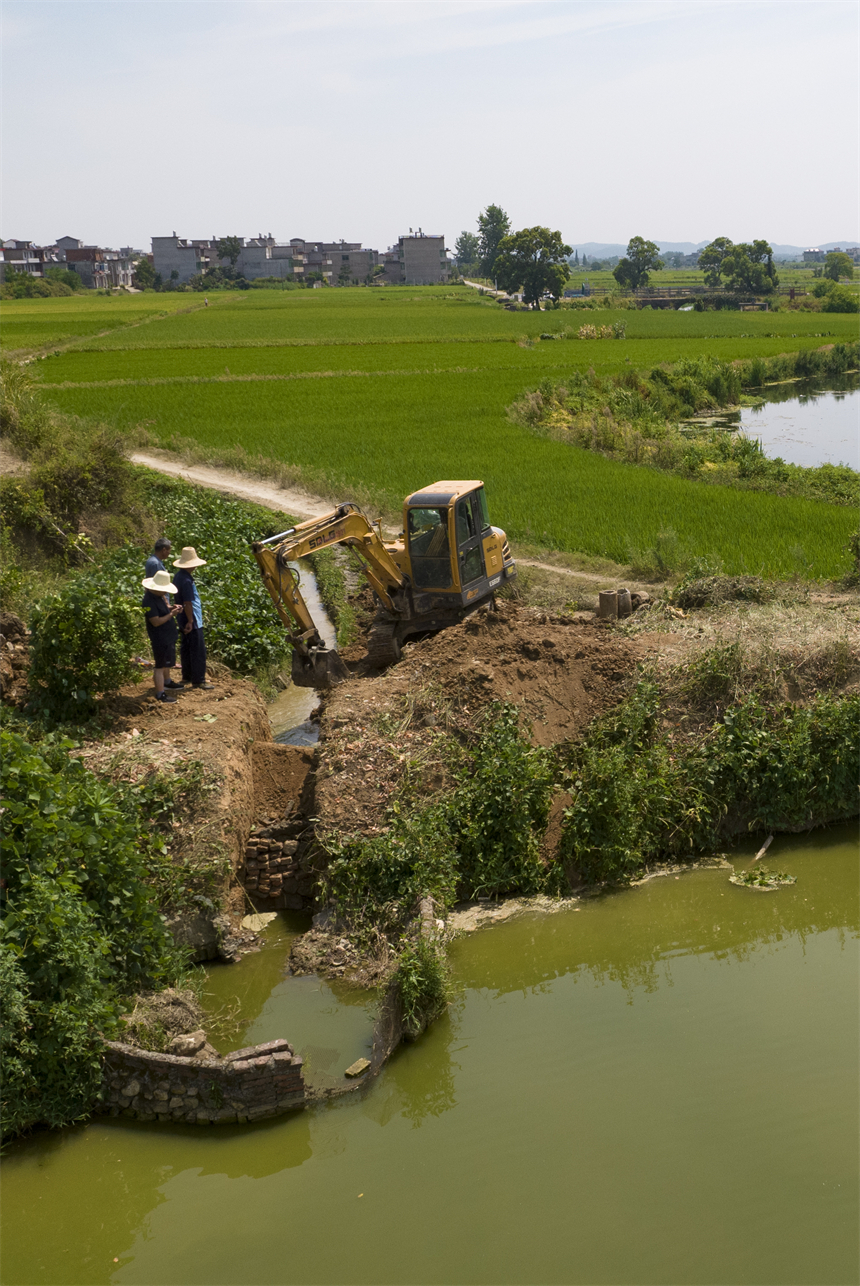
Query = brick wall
x=247 y=1085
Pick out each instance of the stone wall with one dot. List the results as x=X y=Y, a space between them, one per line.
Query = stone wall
x=247 y=1085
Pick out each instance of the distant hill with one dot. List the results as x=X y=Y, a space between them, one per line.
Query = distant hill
x=609 y=249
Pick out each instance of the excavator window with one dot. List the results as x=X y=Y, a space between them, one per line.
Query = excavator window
x=429 y=551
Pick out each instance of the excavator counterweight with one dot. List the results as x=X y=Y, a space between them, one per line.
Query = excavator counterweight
x=447 y=562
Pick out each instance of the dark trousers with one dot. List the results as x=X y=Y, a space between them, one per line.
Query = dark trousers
x=192 y=649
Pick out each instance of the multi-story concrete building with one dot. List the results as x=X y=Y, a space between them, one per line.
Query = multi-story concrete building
x=22 y=256
x=423 y=259
x=99 y=269
x=179 y=255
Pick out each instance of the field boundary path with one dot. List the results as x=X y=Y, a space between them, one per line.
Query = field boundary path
x=288 y=500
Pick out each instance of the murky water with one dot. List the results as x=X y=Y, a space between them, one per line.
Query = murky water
x=659 y=1087
x=805 y=423
x=289 y=713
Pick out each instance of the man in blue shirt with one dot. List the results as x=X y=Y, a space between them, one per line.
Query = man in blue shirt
x=155 y=561
x=192 y=644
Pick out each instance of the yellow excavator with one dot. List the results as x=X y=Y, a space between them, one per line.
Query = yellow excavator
x=446 y=562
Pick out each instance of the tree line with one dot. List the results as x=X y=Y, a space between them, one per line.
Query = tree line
x=537 y=262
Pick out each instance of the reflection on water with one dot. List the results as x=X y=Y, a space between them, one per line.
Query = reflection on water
x=658 y=1087
x=289 y=713
x=805 y=423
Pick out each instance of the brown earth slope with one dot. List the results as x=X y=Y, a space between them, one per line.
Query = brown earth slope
x=559 y=671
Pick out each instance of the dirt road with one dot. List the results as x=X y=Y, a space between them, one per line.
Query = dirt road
x=288 y=500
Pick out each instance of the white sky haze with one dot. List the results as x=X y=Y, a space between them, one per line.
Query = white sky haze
x=683 y=121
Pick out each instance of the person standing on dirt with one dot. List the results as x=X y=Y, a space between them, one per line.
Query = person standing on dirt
x=162 y=631
x=192 y=641
x=155 y=561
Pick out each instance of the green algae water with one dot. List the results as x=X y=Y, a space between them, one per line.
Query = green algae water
x=658 y=1087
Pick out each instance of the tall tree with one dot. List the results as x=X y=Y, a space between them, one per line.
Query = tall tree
x=641 y=258
x=466 y=249
x=711 y=259
x=747 y=267
x=838 y=264
x=534 y=259
x=493 y=226
x=229 y=248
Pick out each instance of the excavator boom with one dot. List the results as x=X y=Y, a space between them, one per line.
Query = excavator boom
x=315 y=665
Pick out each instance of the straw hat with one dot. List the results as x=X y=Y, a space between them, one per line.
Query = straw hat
x=160 y=583
x=188 y=559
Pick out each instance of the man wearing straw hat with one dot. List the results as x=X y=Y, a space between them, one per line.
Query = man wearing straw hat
x=161 y=628
x=192 y=642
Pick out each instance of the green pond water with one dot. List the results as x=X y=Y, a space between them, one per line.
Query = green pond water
x=659 y=1087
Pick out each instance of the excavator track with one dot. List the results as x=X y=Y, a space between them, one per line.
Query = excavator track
x=383 y=645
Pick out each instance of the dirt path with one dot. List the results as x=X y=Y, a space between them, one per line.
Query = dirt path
x=288 y=500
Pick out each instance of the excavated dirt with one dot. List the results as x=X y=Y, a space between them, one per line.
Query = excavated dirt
x=560 y=671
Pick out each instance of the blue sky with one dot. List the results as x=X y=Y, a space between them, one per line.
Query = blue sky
x=679 y=121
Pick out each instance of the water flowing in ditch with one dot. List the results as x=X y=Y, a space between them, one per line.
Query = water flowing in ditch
x=290 y=712
x=655 y=1085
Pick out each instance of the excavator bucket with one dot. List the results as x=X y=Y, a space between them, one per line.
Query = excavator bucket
x=319 y=668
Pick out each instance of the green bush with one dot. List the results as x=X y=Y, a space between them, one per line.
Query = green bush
x=639 y=796
x=482 y=837
x=422 y=982
x=83 y=639
x=841 y=300
x=79 y=929
x=500 y=809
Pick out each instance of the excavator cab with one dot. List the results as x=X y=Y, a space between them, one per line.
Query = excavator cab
x=453 y=553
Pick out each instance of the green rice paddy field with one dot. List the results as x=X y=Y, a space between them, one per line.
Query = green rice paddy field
x=382 y=391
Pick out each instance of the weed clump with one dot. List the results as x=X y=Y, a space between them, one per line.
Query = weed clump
x=708 y=591
x=421 y=980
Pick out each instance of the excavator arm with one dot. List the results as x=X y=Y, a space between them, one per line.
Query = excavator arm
x=315 y=665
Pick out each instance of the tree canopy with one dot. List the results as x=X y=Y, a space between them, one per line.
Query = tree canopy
x=493 y=226
x=838 y=264
x=746 y=267
x=467 y=249
x=642 y=256
x=229 y=248
x=534 y=259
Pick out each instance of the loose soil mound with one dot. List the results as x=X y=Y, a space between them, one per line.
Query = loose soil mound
x=559 y=671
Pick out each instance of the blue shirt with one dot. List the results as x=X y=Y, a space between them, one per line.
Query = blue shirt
x=153 y=565
x=186 y=592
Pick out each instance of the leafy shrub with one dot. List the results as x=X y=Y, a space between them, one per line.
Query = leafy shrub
x=79 y=930
x=640 y=797
x=379 y=881
x=483 y=837
x=500 y=809
x=841 y=300
x=83 y=639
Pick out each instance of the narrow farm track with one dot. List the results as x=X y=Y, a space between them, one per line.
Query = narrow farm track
x=288 y=500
